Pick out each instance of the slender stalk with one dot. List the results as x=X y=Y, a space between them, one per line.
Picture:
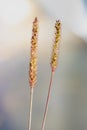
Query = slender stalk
x=54 y=60
x=33 y=66
x=47 y=101
x=30 y=110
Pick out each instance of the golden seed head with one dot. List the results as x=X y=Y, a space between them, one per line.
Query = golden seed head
x=33 y=55
x=54 y=58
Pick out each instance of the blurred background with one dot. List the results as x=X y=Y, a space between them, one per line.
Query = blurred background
x=68 y=103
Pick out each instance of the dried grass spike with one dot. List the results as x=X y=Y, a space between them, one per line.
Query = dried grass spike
x=33 y=59
x=54 y=58
x=33 y=66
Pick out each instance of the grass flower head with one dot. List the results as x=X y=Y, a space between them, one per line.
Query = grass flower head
x=54 y=58
x=33 y=59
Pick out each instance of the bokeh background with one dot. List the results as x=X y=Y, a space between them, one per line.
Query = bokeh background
x=68 y=103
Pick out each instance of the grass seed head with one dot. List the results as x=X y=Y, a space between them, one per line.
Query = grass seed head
x=54 y=58
x=33 y=55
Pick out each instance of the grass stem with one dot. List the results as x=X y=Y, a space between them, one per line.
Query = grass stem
x=30 y=110
x=47 y=101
